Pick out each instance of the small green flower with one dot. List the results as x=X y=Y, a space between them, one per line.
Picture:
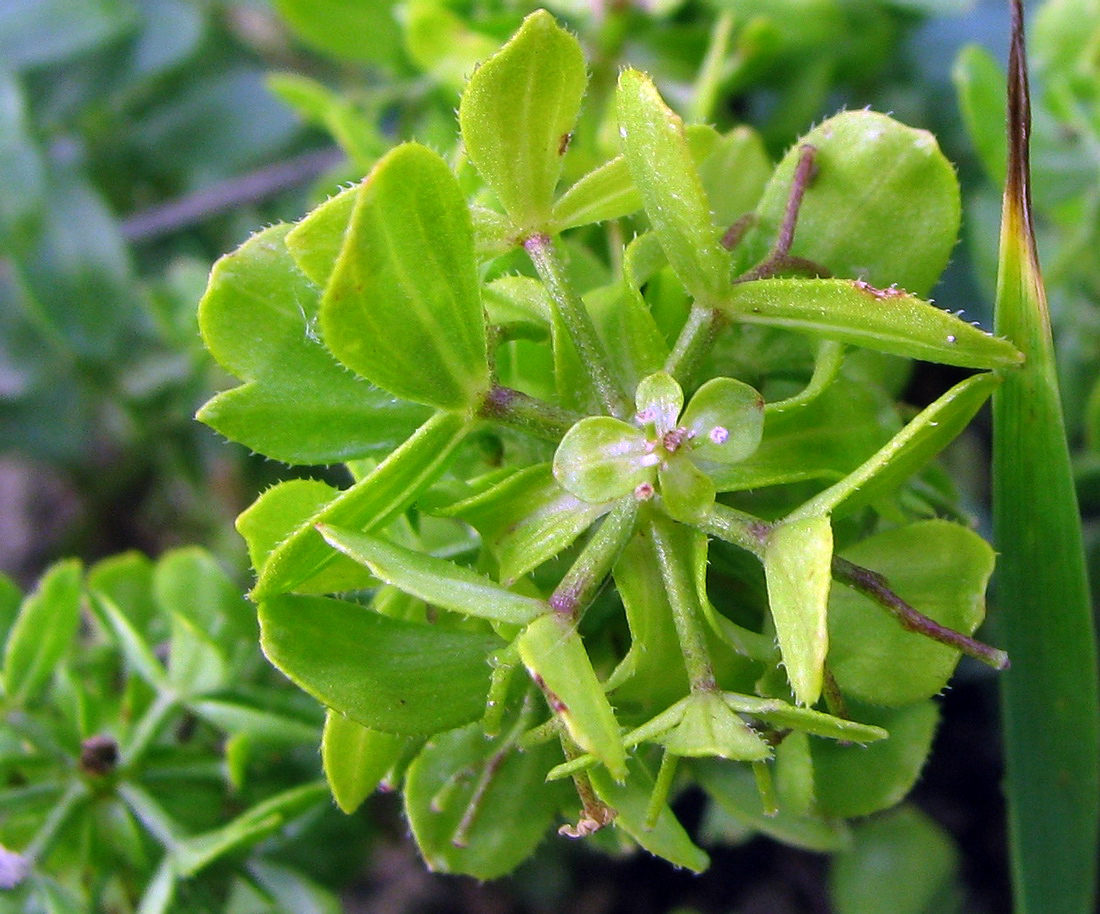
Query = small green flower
x=668 y=450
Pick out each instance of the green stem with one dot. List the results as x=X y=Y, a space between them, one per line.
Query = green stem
x=661 y=789
x=830 y=356
x=686 y=612
x=737 y=528
x=578 y=324
x=147 y=728
x=696 y=337
x=61 y=810
x=709 y=80
x=518 y=410
x=583 y=581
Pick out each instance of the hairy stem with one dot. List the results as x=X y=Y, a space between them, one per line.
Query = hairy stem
x=583 y=581
x=874 y=586
x=686 y=613
x=518 y=410
x=578 y=324
x=779 y=258
x=696 y=337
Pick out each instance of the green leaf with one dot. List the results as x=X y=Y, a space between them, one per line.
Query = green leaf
x=316 y=240
x=652 y=673
x=291 y=890
x=798 y=562
x=860 y=780
x=288 y=507
x=235 y=718
x=479 y=807
x=441 y=43
x=938 y=567
x=608 y=192
x=1053 y=770
x=602 y=458
x=370 y=504
x=555 y=656
x=43 y=632
x=660 y=162
x=739 y=153
x=10 y=598
x=525 y=520
x=909 y=451
x=434 y=580
x=258 y=319
x=196 y=853
x=356 y=758
x=666 y=838
x=127 y=580
x=709 y=727
x=357 y=31
x=134 y=647
x=387 y=674
x=980 y=86
x=883 y=207
x=903 y=862
x=189 y=582
x=517 y=114
x=403 y=307
x=886 y=320
x=781 y=715
x=732 y=789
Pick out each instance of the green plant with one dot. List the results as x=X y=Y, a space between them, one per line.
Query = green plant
x=150 y=760
x=702 y=415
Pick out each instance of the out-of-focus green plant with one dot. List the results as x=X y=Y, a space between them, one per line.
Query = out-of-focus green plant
x=701 y=417
x=149 y=761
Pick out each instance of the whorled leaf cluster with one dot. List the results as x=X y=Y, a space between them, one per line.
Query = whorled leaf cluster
x=627 y=500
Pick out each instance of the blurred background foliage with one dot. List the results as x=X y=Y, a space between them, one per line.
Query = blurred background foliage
x=142 y=139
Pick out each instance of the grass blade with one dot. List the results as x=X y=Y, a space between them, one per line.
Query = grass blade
x=1049 y=697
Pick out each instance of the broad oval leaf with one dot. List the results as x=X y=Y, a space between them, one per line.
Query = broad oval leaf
x=883 y=205
x=555 y=656
x=356 y=758
x=258 y=319
x=434 y=580
x=315 y=241
x=852 y=311
x=359 y=32
x=666 y=838
x=43 y=632
x=660 y=161
x=797 y=563
x=403 y=307
x=476 y=812
x=937 y=567
x=387 y=674
x=860 y=780
x=517 y=115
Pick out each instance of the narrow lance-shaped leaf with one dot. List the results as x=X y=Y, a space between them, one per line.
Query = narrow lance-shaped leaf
x=555 y=656
x=42 y=633
x=886 y=320
x=517 y=114
x=369 y=504
x=435 y=580
x=1053 y=769
x=660 y=161
x=927 y=433
x=797 y=563
x=403 y=308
